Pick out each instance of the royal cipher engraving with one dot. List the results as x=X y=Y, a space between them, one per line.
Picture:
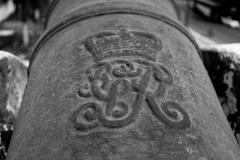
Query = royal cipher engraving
x=117 y=88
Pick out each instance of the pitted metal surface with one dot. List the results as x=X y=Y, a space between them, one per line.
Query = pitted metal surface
x=122 y=86
x=61 y=9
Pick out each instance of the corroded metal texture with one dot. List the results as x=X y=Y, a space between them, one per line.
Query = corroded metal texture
x=124 y=84
x=61 y=10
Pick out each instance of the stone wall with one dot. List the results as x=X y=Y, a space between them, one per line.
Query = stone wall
x=13 y=79
x=223 y=65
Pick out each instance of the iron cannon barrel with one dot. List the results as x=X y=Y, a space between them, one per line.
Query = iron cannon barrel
x=122 y=80
x=60 y=10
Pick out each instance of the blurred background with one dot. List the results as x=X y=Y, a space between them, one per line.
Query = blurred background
x=21 y=25
x=215 y=24
x=217 y=20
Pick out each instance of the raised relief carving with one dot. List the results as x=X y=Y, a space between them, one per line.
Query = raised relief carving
x=123 y=43
x=116 y=89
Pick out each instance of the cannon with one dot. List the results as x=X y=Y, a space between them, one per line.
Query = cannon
x=122 y=80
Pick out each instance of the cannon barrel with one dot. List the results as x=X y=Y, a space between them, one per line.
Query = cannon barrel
x=122 y=80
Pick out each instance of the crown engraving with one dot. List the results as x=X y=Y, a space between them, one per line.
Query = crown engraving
x=124 y=43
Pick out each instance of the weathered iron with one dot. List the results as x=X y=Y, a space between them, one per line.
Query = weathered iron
x=119 y=80
x=59 y=10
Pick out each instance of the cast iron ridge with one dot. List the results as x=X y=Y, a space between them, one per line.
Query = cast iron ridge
x=101 y=12
x=54 y=3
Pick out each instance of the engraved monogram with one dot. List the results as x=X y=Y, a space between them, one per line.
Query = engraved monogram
x=116 y=89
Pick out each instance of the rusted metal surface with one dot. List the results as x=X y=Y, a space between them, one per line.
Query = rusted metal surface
x=119 y=81
x=61 y=10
